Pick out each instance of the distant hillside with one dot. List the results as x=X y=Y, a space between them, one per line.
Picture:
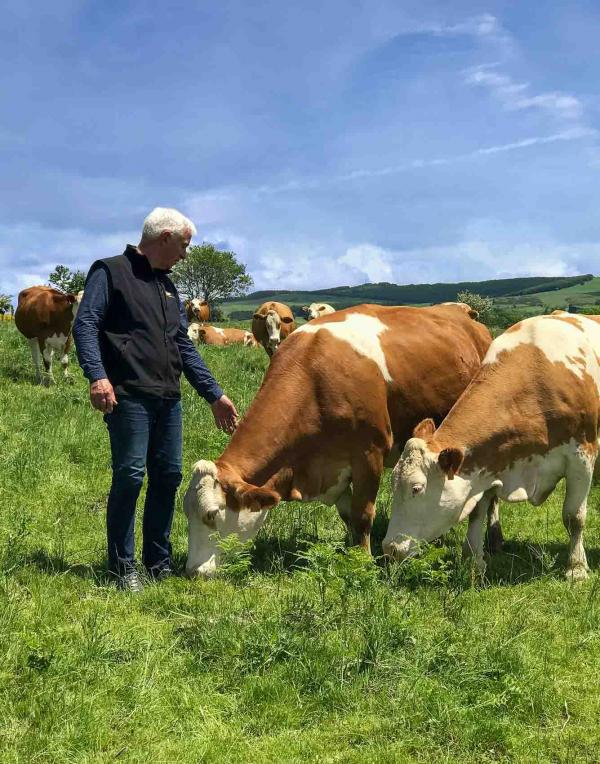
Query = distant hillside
x=525 y=289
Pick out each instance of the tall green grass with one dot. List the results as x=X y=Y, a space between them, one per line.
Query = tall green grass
x=301 y=650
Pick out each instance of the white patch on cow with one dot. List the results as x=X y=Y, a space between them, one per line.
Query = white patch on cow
x=561 y=342
x=193 y=332
x=273 y=325
x=76 y=304
x=55 y=342
x=219 y=331
x=318 y=309
x=333 y=493
x=361 y=332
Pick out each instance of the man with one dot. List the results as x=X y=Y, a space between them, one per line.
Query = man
x=132 y=344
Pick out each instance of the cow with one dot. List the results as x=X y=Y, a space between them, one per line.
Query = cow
x=317 y=309
x=338 y=401
x=45 y=316
x=197 y=310
x=213 y=335
x=271 y=324
x=528 y=419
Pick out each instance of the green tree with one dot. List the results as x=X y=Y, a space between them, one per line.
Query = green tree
x=5 y=304
x=66 y=280
x=483 y=305
x=211 y=274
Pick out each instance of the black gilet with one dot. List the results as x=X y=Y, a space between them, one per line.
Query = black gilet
x=137 y=340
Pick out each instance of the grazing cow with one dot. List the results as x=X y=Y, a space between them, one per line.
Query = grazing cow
x=213 y=335
x=271 y=324
x=528 y=419
x=317 y=309
x=339 y=400
x=45 y=316
x=197 y=310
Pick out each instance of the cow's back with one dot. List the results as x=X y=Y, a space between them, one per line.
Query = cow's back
x=42 y=309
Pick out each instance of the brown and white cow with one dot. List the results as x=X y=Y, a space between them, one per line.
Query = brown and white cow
x=197 y=310
x=271 y=324
x=213 y=335
x=45 y=316
x=340 y=398
x=528 y=419
x=316 y=310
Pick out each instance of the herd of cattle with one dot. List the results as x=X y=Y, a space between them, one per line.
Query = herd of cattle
x=462 y=419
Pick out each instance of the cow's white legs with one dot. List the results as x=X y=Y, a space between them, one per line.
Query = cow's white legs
x=495 y=539
x=344 y=507
x=473 y=544
x=36 y=357
x=64 y=360
x=47 y=354
x=578 y=482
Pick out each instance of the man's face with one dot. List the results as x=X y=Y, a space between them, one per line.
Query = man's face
x=174 y=247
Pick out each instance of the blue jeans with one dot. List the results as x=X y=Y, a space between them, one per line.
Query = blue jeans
x=145 y=434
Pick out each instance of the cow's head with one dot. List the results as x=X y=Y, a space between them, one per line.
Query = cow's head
x=429 y=495
x=273 y=323
x=249 y=340
x=193 y=331
x=195 y=307
x=220 y=507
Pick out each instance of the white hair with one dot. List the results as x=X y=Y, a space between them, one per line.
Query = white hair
x=166 y=219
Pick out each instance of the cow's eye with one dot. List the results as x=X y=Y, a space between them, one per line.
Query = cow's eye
x=417 y=489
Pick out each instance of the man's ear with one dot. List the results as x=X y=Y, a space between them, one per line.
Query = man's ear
x=286 y=319
x=255 y=498
x=450 y=461
x=165 y=236
x=424 y=429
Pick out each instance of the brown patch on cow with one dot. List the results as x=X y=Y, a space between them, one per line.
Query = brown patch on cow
x=44 y=311
x=323 y=408
x=201 y=313
x=520 y=406
x=567 y=318
x=514 y=328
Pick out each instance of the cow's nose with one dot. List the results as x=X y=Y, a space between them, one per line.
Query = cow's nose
x=398 y=550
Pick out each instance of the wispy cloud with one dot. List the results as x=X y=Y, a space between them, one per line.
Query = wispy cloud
x=516 y=96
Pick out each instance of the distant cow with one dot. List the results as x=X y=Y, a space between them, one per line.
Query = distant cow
x=339 y=400
x=213 y=335
x=529 y=418
x=271 y=324
x=197 y=310
x=45 y=316
x=316 y=310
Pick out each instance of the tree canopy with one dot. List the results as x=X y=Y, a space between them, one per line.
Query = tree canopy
x=211 y=274
x=5 y=304
x=66 y=280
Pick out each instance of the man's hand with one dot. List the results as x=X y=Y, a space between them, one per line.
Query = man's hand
x=225 y=414
x=102 y=396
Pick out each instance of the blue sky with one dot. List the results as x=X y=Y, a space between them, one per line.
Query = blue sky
x=325 y=142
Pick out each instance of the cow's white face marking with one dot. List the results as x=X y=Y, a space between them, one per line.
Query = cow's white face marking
x=425 y=504
x=207 y=513
x=361 y=332
x=273 y=325
x=194 y=332
x=561 y=342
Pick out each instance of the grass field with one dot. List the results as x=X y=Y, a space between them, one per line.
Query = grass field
x=299 y=651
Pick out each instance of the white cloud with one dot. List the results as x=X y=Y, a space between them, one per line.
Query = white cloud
x=371 y=261
x=516 y=96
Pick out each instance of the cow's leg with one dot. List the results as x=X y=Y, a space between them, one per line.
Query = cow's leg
x=495 y=538
x=578 y=482
x=473 y=543
x=36 y=357
x=64 y=359
x=344 y=507
x=47 y=353
x=366 y=474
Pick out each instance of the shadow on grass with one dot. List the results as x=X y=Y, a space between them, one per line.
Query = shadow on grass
x=522 y=561
x=55 y=564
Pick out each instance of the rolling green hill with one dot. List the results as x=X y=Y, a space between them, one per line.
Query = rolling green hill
x=540 y=291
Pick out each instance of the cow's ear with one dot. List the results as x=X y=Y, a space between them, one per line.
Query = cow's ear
x=258 y=315
x=255 y=498
x=450 y=461
x=473 y=314
x=424 y=429
x=287 y=319
x=71 y=298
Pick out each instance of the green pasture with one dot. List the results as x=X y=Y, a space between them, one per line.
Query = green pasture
x=299 y=651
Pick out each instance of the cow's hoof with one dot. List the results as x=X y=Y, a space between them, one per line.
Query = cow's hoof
x=48 y=381
x=578 y=573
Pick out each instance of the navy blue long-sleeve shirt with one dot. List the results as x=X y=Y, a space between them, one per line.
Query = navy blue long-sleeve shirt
x=88 y=325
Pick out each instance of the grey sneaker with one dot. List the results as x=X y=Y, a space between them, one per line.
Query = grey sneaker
x=130 y=582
